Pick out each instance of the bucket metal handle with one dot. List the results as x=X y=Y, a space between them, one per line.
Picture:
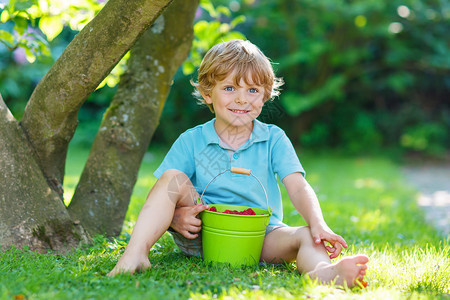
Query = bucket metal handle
x=238 y=171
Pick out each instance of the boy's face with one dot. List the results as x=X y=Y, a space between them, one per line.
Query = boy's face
x=235 y=105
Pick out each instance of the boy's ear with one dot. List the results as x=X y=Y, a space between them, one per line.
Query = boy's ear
x=206 y=97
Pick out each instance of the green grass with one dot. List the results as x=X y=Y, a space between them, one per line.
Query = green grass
x=364 y=199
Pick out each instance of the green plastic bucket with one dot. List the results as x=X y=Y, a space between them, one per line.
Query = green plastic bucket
x=234 y=239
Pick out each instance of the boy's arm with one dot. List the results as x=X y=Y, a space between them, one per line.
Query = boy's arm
x=306 y=203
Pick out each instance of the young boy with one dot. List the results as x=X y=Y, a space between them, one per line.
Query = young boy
x=235 y=80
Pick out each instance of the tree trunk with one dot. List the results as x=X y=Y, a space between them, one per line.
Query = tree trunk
x=50 y=117
x=33 y=153
x=102 y=196
x=31 y=213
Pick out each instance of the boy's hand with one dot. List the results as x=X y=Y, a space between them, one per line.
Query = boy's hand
x=185 y=220
x=323 y=234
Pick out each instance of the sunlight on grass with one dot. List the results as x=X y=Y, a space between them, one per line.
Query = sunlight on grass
x=414 y=269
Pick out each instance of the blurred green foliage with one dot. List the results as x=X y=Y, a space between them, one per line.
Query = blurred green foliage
x=359 y=75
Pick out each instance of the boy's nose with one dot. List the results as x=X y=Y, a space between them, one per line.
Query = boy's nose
x=240 y=99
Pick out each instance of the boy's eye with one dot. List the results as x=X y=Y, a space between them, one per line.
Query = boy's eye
x=253 y=90
x=229 y=88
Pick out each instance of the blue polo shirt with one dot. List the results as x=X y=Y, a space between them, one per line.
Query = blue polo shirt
x=268 y=153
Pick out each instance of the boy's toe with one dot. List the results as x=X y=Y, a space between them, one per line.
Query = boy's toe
x=363 y=259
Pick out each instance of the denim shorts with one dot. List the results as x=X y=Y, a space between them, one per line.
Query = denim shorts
x=193 y=247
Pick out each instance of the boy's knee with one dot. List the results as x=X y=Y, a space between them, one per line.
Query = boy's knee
x=172 y=173
x=174 y=179
x=178 y=184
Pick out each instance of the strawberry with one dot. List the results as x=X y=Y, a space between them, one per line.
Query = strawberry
x=247 y=212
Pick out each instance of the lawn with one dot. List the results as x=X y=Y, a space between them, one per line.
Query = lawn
x=365 y=199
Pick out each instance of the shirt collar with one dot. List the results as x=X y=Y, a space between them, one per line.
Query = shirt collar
x=209 y=133
x=260 y=133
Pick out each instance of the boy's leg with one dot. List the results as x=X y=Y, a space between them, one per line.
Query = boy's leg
x=171 y=190
x=287 y=244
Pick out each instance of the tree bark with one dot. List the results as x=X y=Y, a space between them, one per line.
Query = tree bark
x=50 y=117
x=102 y=196
x=31 y=213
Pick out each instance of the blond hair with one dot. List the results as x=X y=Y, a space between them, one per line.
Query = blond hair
x=241 y=57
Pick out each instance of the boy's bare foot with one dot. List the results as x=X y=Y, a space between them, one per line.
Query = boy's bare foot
x=347 y=271
x=132 y=265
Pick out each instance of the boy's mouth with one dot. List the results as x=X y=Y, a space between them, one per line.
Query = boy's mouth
x=239 y=111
